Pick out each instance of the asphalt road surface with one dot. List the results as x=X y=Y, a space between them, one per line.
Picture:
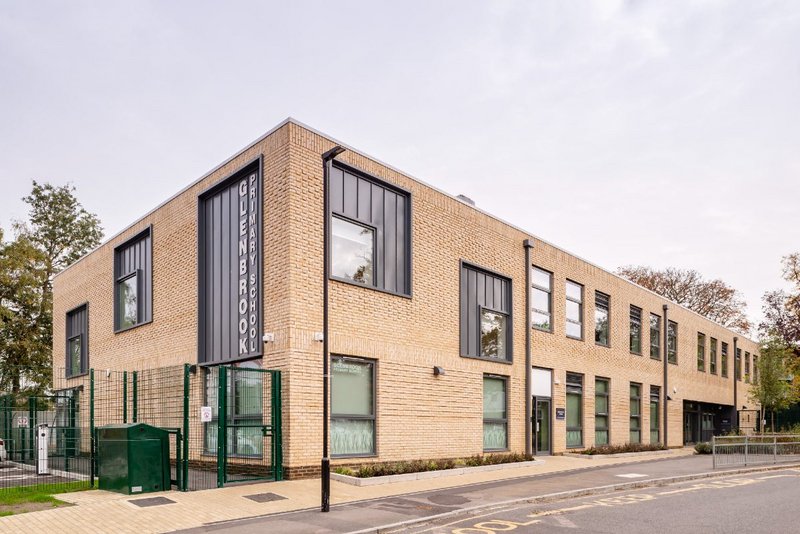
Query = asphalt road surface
x=762 y=502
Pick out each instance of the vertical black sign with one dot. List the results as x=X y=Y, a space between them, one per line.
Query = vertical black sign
x=229 y=268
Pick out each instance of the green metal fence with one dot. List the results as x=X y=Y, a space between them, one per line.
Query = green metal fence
x=241 y=440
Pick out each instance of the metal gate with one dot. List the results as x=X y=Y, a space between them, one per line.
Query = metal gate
x=246 y=423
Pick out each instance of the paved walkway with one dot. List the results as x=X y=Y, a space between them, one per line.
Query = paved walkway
x=102 y=512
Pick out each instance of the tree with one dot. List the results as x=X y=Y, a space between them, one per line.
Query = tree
x=782 y=308
x=58 y=232
x=774 y=389
x=710 y=298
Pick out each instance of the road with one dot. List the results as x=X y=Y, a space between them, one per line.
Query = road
x=417 y=506
x=762 y=502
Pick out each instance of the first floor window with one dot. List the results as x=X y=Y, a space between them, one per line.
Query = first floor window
x=352 y=407
x=601 y=310
x=495 y=419
x=74 y=351
x=747 y=367
x=636 y=330
x=574 y=410
x=542 y=297
x=724 y=360
x=601 y=411
x=755 y=369
x=655 y=336
x=701 y=352
x=493 y=334
x=737 y=364
x=352 y=247
x=574 y=305
x=672 y=342
x=712 y=356
x=636 y=413
x=244 y=419
x=655 y=399
x=128 y=301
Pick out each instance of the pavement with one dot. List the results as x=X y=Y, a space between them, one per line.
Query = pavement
x=293 y=506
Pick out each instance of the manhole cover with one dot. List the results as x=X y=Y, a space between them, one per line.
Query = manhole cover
x=152 y=501
x=265 y=497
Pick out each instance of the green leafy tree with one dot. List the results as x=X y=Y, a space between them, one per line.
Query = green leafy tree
x=782 y=308
x=58 y=232
x=710 y=298
x=774 y=390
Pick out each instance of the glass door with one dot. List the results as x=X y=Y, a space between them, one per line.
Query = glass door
x=542 y=427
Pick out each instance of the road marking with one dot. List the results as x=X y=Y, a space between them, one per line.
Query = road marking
x=632 y=475
x=779 y=476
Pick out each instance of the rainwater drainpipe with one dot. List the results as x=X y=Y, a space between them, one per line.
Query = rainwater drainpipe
x=327 y=158
x=528 y=244
x=736 y=370
x=666 y=383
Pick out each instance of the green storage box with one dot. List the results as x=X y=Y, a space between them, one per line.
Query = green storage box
x=133 y=458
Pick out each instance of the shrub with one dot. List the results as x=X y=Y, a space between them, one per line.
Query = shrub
x=418 y=466
x=626 y=447
x=703 y=447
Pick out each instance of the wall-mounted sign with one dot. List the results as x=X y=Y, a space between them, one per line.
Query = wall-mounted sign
x=561 y=414
x=229 y=268
x=205 y=414
x=22 y=422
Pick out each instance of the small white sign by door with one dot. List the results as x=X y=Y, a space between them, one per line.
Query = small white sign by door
x=22 y=422
x=205 y=414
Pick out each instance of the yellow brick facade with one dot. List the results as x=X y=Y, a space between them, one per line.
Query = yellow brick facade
x=419 y=415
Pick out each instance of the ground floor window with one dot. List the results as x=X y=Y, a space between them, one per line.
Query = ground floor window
x=655 y=399
x=601 y=412
x=244 y=410
x=352 y=407
x=574 y=410
x=636 y=413
x=495 y=417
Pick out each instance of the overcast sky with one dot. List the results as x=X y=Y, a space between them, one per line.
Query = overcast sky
x=627 y=132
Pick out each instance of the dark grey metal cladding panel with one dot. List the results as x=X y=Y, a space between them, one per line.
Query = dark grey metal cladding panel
x=137 y=254
x=479 y=289
x=229 y=268
x=387 y=210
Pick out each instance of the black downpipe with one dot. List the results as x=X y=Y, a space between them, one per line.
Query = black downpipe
x=736 y=374
x=666 y=383
x=528 y=244
x=327 y=157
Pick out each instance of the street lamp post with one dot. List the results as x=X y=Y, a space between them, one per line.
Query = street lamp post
x=327 y=158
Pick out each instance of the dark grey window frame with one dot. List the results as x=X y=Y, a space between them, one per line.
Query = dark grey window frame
x=723 y=362
x=374 y=230
x=655 y=398
x=656 y=337
x=600 y=295
x=84 y=343
x=140 y=294
x=502 y=421
x=549 y=293
x=373 y=417
x=712 y=355
x=569 y=384
x=408 y=229
x=631 y=399
x=747 y=367
x=631 y=322
x=581 y=309
x=737 y=364
x=607 y=413
x=755 y=368
x=674 y=339
x=701 y=352
x=463 y=264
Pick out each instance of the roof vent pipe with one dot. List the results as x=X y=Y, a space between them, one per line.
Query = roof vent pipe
x=466 y=200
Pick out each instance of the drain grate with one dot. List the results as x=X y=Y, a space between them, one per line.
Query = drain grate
x=265 y=497
x=152 y=501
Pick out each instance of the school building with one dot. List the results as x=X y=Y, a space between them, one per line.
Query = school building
x=452 y=333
